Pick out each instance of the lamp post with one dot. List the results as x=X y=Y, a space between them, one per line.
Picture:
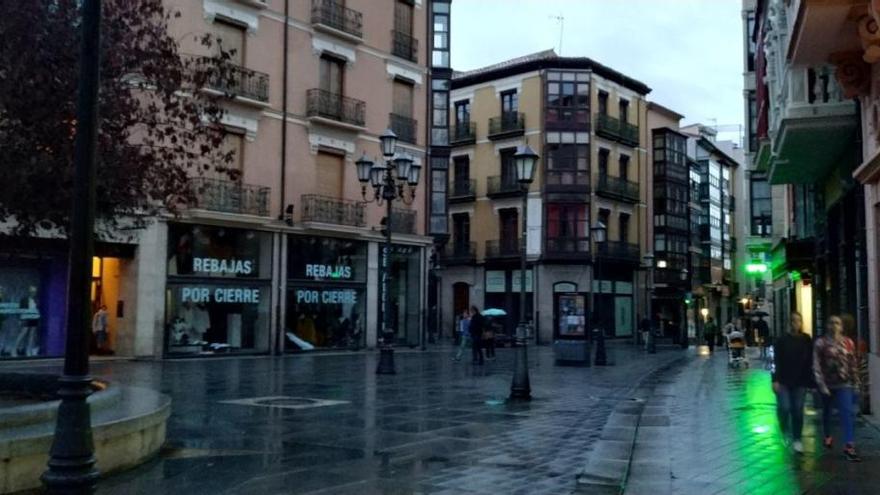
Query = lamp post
x=684 y=320
x=71 y=466
x=386 y=188
x=649 y=289
x=600 y=234
x=520 y=389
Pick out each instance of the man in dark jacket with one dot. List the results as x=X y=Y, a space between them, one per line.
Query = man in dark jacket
x=763 y=331
x=478 y=325
x=792 y=374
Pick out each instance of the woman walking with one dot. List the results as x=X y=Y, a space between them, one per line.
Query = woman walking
x=464 y=334
x=792 y=374
x=837 y=378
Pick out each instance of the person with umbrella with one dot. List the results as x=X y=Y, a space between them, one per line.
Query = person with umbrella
x=477 y=326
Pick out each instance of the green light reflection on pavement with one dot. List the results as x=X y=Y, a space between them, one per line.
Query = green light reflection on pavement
x=758 y=446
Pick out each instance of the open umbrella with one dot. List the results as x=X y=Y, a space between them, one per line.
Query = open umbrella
x=494 y=312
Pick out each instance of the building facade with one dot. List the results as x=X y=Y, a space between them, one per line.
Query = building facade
x=286 y=258
x=588 y=124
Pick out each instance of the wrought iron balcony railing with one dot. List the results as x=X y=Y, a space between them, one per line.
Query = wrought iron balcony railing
x=325 y=209
x=504 y=248
x=236 y=80
x=403 y=221
x=498 y=185
x=616 y=250
x=566 y=247
x=617 y=130
x=457 y=252
x=507 y=124
x=617 y=188
x=333 y=14
x=573 y=181
x=463 y=190
x=404 y=127
x=463 y=133
x=230 y=196
x=404 y=46
x=336 y=107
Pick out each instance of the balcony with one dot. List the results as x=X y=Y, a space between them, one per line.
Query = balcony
x=237 y=81
x=404 y=46
x=230 y=196
x=463 y=190
x=507 y=125
x=334 y=211
x=566 y=248
x=463 y=134
x=459 y=253
x=618 y=251
x=508 y=248
x=333 y=17
x=332 y=108
x=831 y=22
x=499 y=186
x=814 y=129
x=617 y=188
x=403 y=221
x=404 y=127
x=568 y=181
x=617 y=130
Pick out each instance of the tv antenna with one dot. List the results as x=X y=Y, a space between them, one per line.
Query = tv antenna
x=561 y=20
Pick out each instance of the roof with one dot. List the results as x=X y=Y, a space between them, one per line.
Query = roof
x=546 y=59
x=715 y=149
x=653 y=105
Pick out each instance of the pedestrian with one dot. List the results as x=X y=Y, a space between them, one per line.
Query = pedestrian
x=477 y=326
x=729 y=328
x=837 y=377
x=99 y=328
x=711 y=331
x=763 y=331
x=645 y=328
x=488 y=340
x=792 y=375
x=464 y=334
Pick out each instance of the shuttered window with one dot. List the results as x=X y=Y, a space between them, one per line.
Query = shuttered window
x=329 y=174
x=231 y=38
x=403 y=99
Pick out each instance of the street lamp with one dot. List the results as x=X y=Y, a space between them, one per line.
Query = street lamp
x=71 y=466
x=684 y=319
x=524 y=161
x=386 y=188
x=599 y=233
x=649 y=286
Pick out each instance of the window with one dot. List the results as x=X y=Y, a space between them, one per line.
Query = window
x=603 y=162
x=402 y=103
x=624 y=110
x=509 y=226
x=750 y=53
x=440 y=123
x=461 y=229
x=603 y=103
x=462 y=113
x=462 y=168
x=438 y=196
x=567 y=164
x=604 y=215
x=753 y=122
x=331 y=74
x=567 y=98
x=566 y=221
x=508 y=166
x=761 y=206
x=403 y=17
x=329 y=175
x=440 y=50
x=509 y=104
x=231 y=39
x=623 y=163
x=623 y=227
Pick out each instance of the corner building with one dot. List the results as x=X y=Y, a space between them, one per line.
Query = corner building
x=588 y=124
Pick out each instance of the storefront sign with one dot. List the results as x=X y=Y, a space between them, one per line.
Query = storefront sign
x=340 y=296
x=495 y=281
x=333 y=272
x=223 y=266
x=227 y=295
x=515 y=279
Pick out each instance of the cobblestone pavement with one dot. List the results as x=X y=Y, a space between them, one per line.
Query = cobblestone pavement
x=707 y=430
x=438 y=426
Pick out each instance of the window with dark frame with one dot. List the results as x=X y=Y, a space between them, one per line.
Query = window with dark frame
x=603 y=103
x=331 y=74
x=623 y=164
x=508 y=167
x=461 y=231
x=761 y=206
x=623 y=227
x=624 y=110
x=462 y=113
x=440 y=45
x=603 y=162
x=567 y=97
x=509 y=105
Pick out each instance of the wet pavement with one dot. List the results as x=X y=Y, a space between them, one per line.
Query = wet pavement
x=712 y=430
x=437 y=426
x=667 y=423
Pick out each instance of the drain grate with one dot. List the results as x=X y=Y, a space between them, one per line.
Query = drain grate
x=285 y=402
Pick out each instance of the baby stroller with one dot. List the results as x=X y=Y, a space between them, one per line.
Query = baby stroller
x=736 y=350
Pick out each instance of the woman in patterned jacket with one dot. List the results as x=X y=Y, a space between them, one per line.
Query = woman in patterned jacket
x=837 y=377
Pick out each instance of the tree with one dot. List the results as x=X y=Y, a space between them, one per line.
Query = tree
x=158 y=128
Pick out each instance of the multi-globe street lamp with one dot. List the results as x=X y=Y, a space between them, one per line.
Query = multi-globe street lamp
x=599 y=233
x=395 y=178
x=520 y=389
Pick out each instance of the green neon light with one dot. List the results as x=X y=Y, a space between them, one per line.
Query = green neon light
x=756 y=268
x=794 y=276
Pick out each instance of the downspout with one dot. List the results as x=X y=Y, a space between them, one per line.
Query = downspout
x=279 y=347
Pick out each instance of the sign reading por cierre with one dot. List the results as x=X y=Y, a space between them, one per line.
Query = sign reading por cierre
x=341 y=296
x=227 y=295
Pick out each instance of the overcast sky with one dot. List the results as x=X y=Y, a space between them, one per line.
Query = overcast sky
x=688 y=51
